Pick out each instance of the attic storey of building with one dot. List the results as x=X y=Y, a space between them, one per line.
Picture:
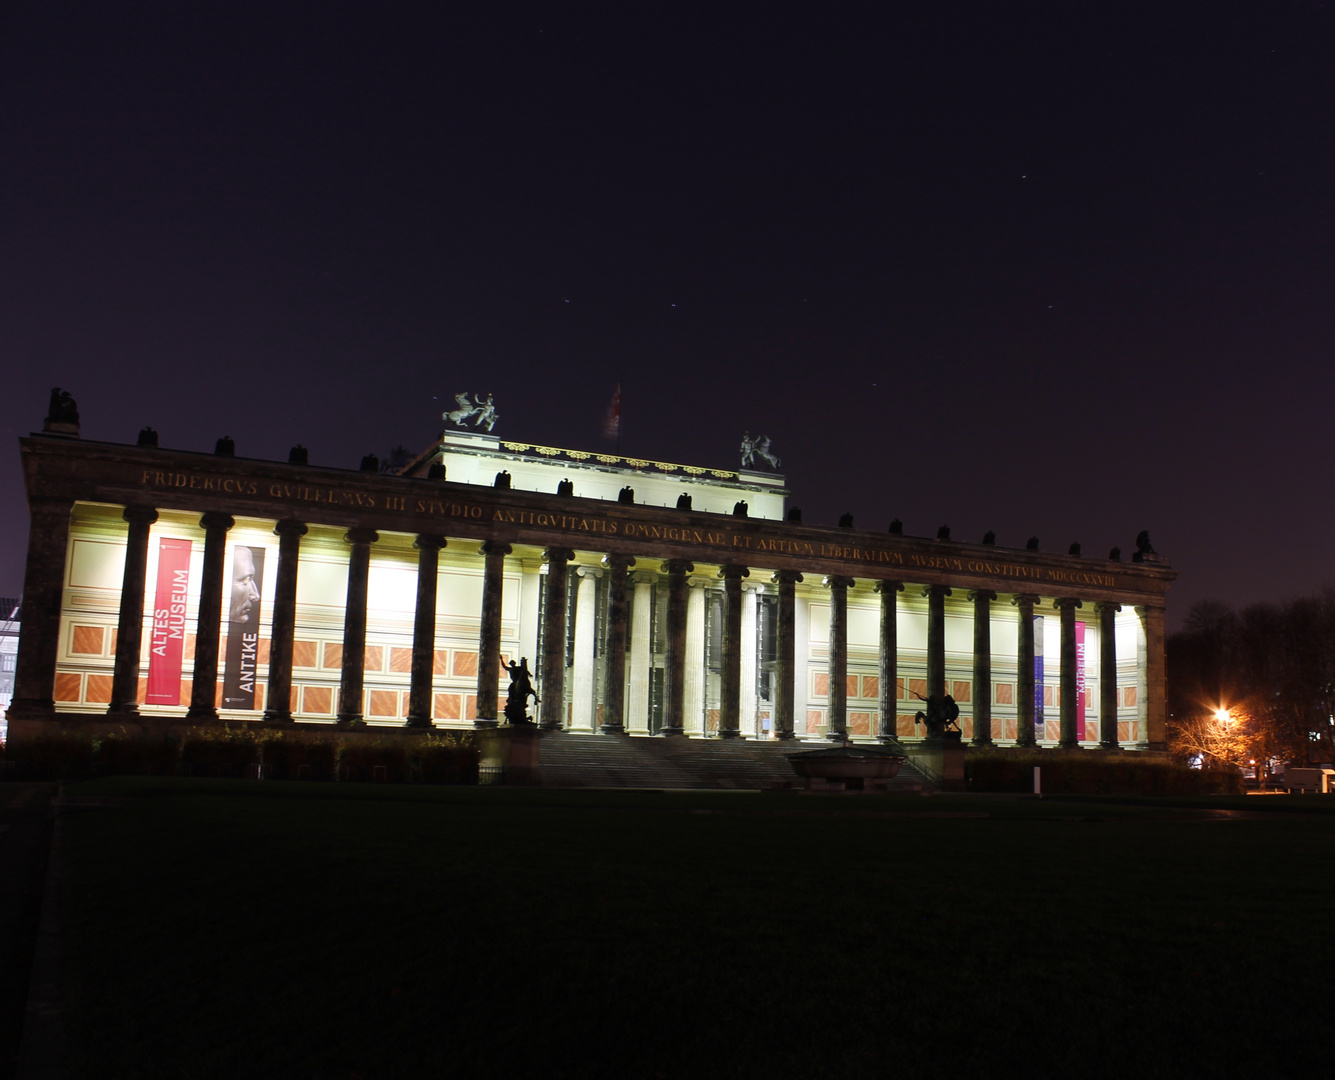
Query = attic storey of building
x=62 y=469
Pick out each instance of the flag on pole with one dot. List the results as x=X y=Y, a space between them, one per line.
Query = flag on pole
x=612 y=424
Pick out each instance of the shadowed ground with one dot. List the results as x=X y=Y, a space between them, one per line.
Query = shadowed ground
x=229 y=929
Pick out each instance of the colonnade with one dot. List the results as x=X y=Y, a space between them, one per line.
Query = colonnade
x=626 y=645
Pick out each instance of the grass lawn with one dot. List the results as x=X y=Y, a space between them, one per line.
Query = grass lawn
x=242 y=929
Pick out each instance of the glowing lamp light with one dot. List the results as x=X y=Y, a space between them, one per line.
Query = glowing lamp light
x=1222 y=716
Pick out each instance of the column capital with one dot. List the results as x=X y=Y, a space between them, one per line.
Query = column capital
x=557 y=554
x=594 y=572
x=889 y=586
x=215 y=520
x=1149 y=609
x=361 y=536
x=936 y=590
x=986 y=596
x=679 y=566
x=493 y=547
x=287 y=527
x=1111 y=606
x=1062 y=603
x=429 y=542
x=140 y=515
x=618 y=562
x=833 y=581
x=731 y=570
x=644 y=577
x=753 y=586
x=1024 y=599
x=786 y=577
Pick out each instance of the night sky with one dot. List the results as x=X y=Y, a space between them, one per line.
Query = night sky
x=1065 y=271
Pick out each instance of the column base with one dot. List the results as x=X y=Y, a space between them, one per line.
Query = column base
x=784 y=736
x=668 y=732
x=346 y=723
x=32 y=709
x=419 y=723
x=550 y=725
x=1068 y=744
x=840 y=737
x=201 y=716
x=612 y=729
x=730 y=733
x=1110 y=745
x=982 y=742
x=276 y=719
x=129 y=712
x=484 y=722
x=1028 y=744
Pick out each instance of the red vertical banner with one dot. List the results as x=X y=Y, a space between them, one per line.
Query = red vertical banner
x=169 y=604
x=1080 y=681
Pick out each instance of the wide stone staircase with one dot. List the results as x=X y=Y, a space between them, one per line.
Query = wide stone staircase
x=624 y=761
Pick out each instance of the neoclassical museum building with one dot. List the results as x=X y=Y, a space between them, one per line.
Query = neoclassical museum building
x=647 y=598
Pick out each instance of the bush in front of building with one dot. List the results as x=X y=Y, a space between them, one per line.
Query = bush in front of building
x=1084 y=773
x=369 y=758
x=123 y=751
x=236 y=750
x=60 y=755
x=447 y=759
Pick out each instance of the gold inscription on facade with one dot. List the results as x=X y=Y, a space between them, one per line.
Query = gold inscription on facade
x=633 y=530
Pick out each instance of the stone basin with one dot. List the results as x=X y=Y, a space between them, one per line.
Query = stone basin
x=851 y=765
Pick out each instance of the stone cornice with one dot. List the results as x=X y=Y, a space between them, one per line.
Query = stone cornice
x=65 y=469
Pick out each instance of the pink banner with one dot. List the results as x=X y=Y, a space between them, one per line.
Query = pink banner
x=1080 y=683
x=168 y=644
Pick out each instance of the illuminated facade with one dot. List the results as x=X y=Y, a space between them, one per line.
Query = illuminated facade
x=649 y=598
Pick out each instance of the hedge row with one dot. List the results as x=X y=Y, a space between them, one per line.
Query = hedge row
x=231 y=750
x=1092 y=775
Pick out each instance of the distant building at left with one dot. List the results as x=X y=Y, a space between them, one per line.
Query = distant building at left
x=9 y=648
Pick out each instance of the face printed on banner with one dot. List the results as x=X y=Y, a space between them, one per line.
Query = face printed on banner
x=245 y=597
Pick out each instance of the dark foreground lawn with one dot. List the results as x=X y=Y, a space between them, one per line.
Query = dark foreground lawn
x=241 y=929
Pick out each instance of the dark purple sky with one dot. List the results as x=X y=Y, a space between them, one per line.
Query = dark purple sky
x=1059 y=270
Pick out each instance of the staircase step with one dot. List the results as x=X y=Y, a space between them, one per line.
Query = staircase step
x=581 y=760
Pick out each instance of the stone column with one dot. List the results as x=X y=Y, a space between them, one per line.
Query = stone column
x=674 y=677
x=730 y=697
x=693 y=677
x=43 y=588
x=641 y=659
x=489 y=637
x=1154 y=733
x=551 y=712
x=208 y=625
x=1024 y=678
x=982 y=666
x=584 y=707
x=936 y=639
x=422 y=668
x=354 y=627
x=888 y=729
x=614 y=692
x=1107 y=612
x=130 y=628
x=747 y=671
x=837 y=719
x=1069 y=738
x=278 y=697
x=786 y=660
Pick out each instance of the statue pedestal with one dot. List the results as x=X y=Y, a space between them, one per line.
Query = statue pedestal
x=941 y=759
x=512 y=751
